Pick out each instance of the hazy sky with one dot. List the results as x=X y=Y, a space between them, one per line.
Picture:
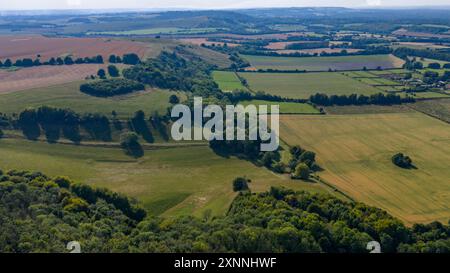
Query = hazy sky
x=202 y=4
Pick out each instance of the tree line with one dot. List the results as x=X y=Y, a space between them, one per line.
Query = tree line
x=129 y=58
x=52 y=121
x=355 y=99
x=41 y=214
x=404 y=53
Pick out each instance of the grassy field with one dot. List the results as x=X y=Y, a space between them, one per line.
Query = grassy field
x=208 y=55
x=324 y=63
x=302 y=85
x=69 y=96
x=174 y=181
x=286 y=107
x=356 y=151
x=228 y=81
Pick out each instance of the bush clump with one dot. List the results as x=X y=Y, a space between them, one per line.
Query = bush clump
x=111 y=87
x=402 y=161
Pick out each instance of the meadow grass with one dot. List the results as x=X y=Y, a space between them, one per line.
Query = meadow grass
x=355 y=152
x=285 y=107
x=69 y=96
x=173 y=181
x=228 y=81
x=303 y=85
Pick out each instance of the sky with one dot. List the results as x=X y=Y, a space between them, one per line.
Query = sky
x=205 y=4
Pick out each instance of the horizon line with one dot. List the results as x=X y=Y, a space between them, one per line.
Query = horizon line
x=225 y=8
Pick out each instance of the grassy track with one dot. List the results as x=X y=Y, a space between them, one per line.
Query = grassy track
x=185 y=180
x=324 y=63
x=302 y=85
x=69 y=96
x=356 y=151
x=228 y=81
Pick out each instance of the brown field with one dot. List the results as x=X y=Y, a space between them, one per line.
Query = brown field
x=42 y=76
x=17 y=47
x=355 y=152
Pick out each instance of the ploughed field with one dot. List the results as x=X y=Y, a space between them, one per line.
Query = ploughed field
x=19 y=47
x=44 y=76
x=355 y=152
x=384 y=61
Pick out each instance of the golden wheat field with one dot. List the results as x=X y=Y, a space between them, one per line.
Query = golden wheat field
x=355 y=152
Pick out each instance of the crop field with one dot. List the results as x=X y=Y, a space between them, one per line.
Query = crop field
x=69 y=96
x=430 y=95
x=286 y=107
x=324 y=63
x=318 y=50
x=173 y=181
x=228 y=81
x=436 y=108
x=355 y=152
x=302 y=85
x=417 y=45
x=153 y=31
x=44 y=76
x=280 y=36
x=18 y=47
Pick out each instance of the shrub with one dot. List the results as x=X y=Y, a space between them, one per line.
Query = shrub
x=402 y=161
x=434 y=66
x=301 y=171
x=101 y=73
x=130 y=144
x=240 y=184
x=113 y=71
x=174 y=99
x=131 y=58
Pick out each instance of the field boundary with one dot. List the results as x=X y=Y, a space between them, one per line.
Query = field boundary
x=114 y=145
x=313 y=71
